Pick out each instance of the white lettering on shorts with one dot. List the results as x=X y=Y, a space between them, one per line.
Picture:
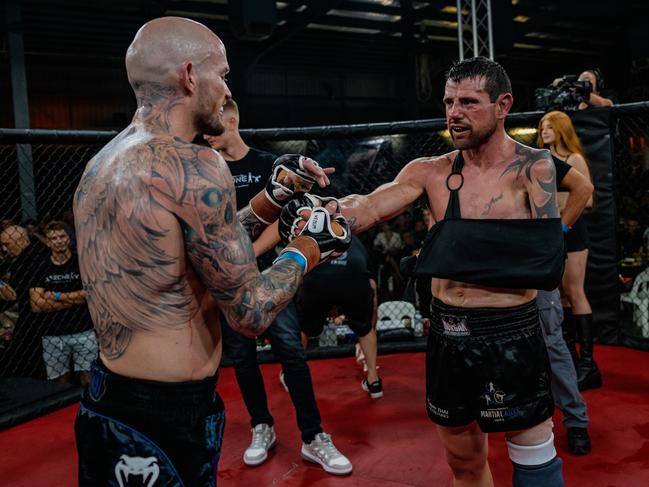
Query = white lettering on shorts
x=437 y=411
x=455 y=326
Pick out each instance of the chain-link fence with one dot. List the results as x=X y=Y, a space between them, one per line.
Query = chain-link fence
x=42 y=168
x=631 y=148
x=46 y=330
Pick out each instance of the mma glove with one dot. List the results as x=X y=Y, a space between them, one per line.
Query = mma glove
x=323 y=237
x=268 y=204
x=291 y=215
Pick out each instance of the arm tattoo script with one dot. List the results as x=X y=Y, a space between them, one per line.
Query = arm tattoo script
x=539 y=175
x=133 y=284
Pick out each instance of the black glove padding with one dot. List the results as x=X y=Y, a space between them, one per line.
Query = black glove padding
x=331 y=233
x=278 y=190
x=290 y=216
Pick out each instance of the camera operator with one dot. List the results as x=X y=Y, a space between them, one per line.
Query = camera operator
x=597 y=82
x=570 y=93
x=594 y=98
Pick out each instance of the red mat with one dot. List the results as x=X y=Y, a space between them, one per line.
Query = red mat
x=390 y=441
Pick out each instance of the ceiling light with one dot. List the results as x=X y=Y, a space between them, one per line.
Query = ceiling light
x=523 y=131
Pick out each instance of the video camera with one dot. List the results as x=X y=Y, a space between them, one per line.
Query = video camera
x=567 y=95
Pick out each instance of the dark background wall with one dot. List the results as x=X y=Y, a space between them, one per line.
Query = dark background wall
x=314 y=71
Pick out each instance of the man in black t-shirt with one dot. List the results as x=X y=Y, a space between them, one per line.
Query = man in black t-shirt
x=250 y=169
x=58 y=295
x=21 y=352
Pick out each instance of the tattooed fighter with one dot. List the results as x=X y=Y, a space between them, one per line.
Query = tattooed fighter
x=161 y=250
x=496 y=238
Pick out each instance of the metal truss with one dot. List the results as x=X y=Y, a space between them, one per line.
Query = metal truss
x=474 y=28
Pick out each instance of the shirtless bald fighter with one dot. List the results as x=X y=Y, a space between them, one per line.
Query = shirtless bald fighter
x=496 y=238
x=161 y=251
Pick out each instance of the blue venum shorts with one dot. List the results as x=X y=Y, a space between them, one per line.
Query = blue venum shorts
x=147 y=433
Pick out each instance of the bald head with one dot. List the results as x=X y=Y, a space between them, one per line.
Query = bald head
x=14 y=239
x=163 y=46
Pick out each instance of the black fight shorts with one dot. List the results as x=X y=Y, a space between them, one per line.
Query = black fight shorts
x=354 y=297
x=139 y=432
x=488 y=365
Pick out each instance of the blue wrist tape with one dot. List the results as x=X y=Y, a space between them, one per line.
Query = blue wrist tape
x=294 y=256
x=565 y=228
x=57 y=296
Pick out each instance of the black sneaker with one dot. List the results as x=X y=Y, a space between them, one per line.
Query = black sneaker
x=578 y=441
x=375 y=389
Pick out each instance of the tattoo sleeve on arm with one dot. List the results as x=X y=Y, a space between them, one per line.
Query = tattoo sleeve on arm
x=539 y=175
x=218 y=246
x=253 y=225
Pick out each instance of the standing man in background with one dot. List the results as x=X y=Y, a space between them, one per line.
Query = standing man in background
x=59 y=296
x=250 y=169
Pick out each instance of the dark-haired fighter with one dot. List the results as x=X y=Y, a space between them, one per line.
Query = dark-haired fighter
x=496 y=238
x=161 y=251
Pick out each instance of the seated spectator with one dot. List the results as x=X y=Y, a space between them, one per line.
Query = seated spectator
x=387 y=241
x=388 y=245
x=632 y=238
x=14 y=239
x=58 y=294
x=345 y=283
x=410 y=245
x=421 y=229
x=403 y=223
x=8 y=314
x=22 y=354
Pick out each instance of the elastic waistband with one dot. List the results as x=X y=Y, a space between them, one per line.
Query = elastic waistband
x=107 y=385
x=452 y=320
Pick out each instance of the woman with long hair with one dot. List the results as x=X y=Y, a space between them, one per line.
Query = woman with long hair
x=557 y=133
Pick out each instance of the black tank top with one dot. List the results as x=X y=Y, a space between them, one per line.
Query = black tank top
x=502 y=253
x=562 y=168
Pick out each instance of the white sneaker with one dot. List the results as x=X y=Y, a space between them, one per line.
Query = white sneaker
x=263 y=439
x=322 y=450
x=282 y=381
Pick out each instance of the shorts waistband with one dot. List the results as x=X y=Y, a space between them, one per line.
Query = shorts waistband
x=457 y=321
x=107 y=385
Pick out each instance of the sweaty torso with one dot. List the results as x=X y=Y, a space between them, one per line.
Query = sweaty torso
x=153 y=317
x=494 y=191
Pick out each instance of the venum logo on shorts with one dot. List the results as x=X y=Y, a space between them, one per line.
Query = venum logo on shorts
x=455 y=326
x=147 y=468
x=437 y=411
